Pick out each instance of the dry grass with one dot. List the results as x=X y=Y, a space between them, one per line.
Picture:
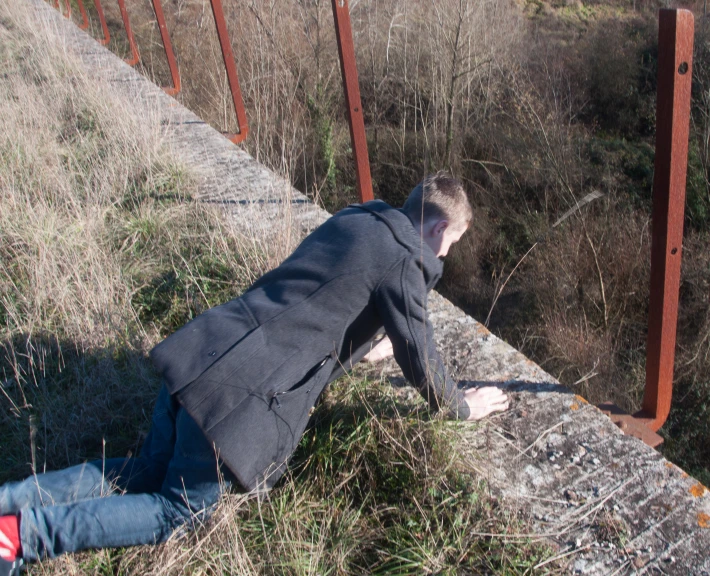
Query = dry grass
x=428 y=75
x=103 y=251
x=97 y=228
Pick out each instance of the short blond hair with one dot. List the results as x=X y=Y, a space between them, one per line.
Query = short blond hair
x=439 y=196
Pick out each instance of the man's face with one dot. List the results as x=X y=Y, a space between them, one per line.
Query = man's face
x=441 y=234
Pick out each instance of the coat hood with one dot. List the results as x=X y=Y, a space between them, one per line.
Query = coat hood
x=405 y=233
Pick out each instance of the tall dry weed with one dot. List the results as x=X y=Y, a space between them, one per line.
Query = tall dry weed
x=70 y=152
x=98 y=233
x=429 y=75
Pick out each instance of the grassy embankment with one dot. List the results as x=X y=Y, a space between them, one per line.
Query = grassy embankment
x=102 y=252
x=534 y=104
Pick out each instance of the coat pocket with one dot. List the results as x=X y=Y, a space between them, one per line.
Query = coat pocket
x=228 y=395
x=257 y=437
x=312 y=380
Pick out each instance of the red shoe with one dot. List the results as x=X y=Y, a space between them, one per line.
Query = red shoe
x=9 y=546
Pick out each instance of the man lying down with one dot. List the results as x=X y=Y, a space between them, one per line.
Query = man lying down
x=239 y=380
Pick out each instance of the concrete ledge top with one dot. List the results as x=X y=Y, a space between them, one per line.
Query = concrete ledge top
x=612 y=504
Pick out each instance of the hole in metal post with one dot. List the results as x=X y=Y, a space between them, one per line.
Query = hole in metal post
x=674 y=251
x=683 y=68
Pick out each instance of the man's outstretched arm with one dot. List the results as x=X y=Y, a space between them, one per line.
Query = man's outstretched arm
x=481 y=401
x=401 y=303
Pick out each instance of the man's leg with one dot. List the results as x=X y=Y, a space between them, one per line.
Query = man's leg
x=190 y=486
x=97 y=479
x=195 y=478
x=127 y=520
x=102 y=478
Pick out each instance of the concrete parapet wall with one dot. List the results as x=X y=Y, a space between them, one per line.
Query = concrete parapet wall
x=552 y=455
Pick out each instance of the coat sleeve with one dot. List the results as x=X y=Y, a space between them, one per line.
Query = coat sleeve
x=402 y=304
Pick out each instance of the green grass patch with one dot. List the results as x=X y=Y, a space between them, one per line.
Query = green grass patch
x=376 y=486
x=380 y=484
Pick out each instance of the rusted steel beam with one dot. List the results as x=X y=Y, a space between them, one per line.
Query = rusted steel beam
x=107 y=37
x=675 y=55
x=168 y=46
x=348 y=68
x=85 y=24
x=232 y=77
x=631 y=426
x=135 y=56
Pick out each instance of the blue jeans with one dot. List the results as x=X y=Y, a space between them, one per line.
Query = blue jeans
x=175 y=482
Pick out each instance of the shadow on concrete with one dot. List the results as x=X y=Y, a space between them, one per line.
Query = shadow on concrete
x=517 y=386
x=507 y=385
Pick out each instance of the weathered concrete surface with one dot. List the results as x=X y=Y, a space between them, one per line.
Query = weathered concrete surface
x=612 y=504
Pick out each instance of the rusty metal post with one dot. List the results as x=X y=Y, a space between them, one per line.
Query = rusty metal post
x=675 y=55
x=85 y=24
x=348 y=68
x=167 y=45
x=102 y=19
x=135 y=56
x=232 y=77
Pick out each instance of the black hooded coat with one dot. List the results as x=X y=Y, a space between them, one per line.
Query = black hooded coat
x=250 y=370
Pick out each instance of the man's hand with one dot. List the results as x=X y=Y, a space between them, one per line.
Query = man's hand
x=483 y=401
x=382 y=350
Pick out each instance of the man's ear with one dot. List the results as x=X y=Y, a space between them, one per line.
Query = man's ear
x=440 y=227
